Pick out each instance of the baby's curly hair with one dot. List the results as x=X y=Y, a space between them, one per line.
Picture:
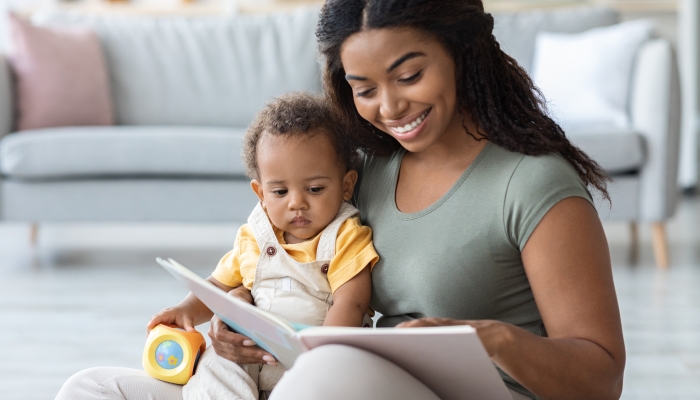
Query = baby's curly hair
x=296 y=114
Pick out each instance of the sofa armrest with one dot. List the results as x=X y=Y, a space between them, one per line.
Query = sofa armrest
x=655 y=113
x=6 y=97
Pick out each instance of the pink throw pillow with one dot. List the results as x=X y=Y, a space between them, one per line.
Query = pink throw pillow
x=61 y=76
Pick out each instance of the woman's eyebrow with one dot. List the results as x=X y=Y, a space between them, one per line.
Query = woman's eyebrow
x=403 y=59
x=392 y=67
x=355 y=78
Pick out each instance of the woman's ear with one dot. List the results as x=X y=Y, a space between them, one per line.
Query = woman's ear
x=258 y=190
x=349 y=181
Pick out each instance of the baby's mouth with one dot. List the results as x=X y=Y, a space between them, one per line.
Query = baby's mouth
x=300 y=221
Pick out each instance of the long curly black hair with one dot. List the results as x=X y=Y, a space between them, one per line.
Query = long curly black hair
x=492 y=88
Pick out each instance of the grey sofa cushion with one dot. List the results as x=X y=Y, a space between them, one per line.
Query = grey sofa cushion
x=516 y=32
x=617 y=151
x=122 y=151
x=215 y=71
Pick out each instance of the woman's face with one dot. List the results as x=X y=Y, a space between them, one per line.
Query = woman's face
x=403 y=82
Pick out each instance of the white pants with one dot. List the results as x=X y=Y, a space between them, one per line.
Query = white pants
x=329 y=372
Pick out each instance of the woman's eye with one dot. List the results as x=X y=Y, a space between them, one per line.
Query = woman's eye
x=364 y=93
x=316 y=189
x=411 y=78
x=280 y=192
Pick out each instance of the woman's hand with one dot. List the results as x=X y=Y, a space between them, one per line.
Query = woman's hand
x=235 y=347
x=494 y=335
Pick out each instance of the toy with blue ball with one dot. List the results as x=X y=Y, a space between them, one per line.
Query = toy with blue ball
x=171 y=353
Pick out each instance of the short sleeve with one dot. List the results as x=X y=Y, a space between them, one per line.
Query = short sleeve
x=237 y=267
x=354 y=251
x=536 y=185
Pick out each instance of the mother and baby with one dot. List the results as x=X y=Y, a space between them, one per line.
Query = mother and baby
x=476 y=211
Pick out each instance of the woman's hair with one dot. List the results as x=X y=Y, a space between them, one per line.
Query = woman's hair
x=492 y=88
x=298 y=114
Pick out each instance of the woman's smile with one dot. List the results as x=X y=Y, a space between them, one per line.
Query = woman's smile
x=410 y=127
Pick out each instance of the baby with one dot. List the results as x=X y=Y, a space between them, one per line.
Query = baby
x=303 y=254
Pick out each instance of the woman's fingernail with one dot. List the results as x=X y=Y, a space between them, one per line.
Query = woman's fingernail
x=272 y=363
x=248 y=343
x=268 y=358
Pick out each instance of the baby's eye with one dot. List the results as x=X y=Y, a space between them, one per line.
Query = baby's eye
x=280 y=192
x=317 y=189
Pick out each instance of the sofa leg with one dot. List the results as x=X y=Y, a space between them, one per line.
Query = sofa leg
x=660 y=244
x=634 y=243
x=33 y=234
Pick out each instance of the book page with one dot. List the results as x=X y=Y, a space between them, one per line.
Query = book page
x=269 y=331
x=450 y=360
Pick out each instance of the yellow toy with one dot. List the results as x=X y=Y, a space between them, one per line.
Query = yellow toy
x=171 y=354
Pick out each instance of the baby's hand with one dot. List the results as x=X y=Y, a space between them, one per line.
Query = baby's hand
x=177 y=315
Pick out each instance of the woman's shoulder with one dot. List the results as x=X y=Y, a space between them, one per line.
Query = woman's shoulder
x=542 y=174
x=535 y=185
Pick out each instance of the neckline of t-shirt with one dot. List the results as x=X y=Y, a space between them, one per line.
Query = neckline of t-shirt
x=395 y=180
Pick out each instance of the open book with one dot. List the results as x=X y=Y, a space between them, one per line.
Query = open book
x=450 y=360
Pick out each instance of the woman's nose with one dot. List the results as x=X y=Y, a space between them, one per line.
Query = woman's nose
x=392 y=105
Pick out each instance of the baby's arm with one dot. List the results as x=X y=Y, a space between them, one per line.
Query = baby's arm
x=351 y=301
x=242 y=292
x=189 y=313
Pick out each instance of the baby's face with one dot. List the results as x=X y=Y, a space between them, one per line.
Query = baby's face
x=302 y=184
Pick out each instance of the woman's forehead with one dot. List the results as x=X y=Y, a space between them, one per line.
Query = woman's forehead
x=382 y=45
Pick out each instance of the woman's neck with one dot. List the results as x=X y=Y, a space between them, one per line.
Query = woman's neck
x=456 y=146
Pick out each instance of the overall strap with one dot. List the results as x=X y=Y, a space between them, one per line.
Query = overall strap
x=326 y=245
x=262 y=228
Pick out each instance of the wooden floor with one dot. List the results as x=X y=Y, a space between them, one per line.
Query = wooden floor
x=83 y=297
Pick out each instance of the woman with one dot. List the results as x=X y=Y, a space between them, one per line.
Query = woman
x=477 y=200
x=479 y=206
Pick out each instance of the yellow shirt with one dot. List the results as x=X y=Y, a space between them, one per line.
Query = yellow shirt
x=353 y=252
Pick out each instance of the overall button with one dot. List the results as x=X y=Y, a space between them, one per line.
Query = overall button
x=324 y=269
x=271 y=251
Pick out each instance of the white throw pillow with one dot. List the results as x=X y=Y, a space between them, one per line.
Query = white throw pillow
x=585 y=77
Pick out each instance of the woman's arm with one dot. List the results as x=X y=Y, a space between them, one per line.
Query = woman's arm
x=567 y=262
x=351 y=301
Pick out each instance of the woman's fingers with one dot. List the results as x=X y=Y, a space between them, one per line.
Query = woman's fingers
x=427 y=322
x=236 y=347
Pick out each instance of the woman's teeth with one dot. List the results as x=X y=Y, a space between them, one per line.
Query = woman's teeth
x=408 y=127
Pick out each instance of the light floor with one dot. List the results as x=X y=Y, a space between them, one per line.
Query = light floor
x=82 y=299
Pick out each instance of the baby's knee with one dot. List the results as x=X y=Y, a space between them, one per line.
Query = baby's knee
x=83 y=385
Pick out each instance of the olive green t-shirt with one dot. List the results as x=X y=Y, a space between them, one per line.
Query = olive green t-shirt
x=460 y=257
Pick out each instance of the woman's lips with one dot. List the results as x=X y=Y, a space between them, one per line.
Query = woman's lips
x=401 y=133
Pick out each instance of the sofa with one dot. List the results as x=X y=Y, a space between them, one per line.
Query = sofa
x=184 y=90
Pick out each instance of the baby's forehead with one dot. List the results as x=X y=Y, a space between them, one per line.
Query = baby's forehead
x=315 y=149
x=310 y=141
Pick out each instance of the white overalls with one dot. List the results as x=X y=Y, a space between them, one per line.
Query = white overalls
x=299 y=292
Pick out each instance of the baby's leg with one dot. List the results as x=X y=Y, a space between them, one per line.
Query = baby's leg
x=112 y=383
x=219 y=378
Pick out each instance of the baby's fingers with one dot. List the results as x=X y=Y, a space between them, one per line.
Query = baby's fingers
x=187 y=324
x=160 y=318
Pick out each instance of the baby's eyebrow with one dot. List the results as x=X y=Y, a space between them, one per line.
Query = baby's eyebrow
x=313 y=178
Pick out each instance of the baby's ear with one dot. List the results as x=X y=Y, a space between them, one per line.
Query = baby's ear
x=349 y=181
x=258 y=190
